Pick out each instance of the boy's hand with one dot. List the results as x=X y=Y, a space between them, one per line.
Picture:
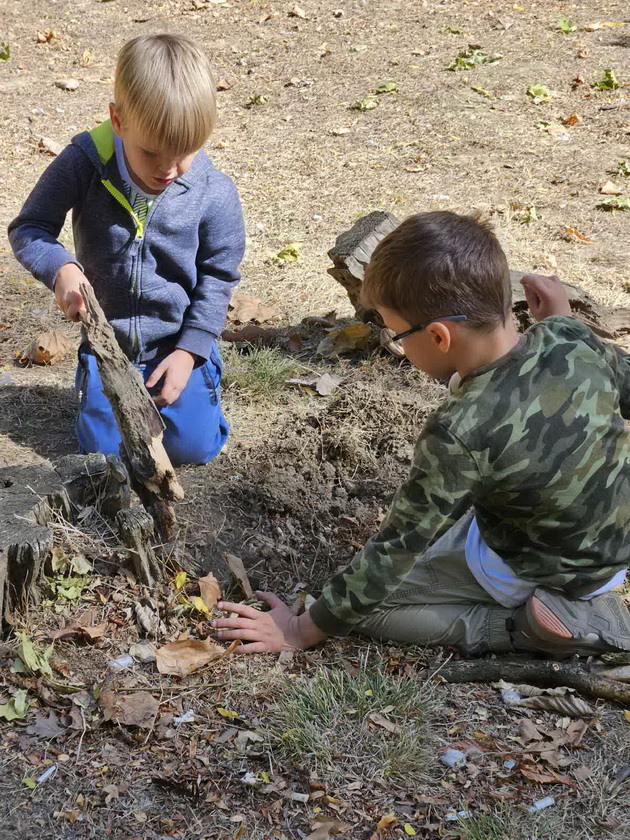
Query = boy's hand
x=175 y=369
x=546 y=296
x=67 y=294
x=276 y=630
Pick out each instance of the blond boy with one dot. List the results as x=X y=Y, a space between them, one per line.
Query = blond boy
x=158 y=232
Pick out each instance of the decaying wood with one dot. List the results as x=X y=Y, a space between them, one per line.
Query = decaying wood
x=136 y=531
x=96 y=480
x=137 y=417
x=546 y=674
x=353 y=250
x=28 y=497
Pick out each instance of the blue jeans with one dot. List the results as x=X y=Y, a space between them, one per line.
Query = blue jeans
x=196 y=429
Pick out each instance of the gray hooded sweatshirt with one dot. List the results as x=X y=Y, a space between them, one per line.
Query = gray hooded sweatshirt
x=164 y=282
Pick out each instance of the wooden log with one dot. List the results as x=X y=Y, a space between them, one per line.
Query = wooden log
x=543 y=673
x=353 y=250
x=28 y=497
x=139 y=422
x=96 y=480
x=136 y=531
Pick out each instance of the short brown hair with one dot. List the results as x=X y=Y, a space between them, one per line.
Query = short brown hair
x=437 y=264
x=165 y=86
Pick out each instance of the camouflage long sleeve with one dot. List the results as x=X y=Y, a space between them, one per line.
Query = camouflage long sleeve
x=537 y=443
x=437 y=493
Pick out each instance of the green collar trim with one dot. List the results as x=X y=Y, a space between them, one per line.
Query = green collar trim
x=103 y=139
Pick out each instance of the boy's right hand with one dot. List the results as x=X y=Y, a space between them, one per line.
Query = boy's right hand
x=67 y=294
x=546 y=296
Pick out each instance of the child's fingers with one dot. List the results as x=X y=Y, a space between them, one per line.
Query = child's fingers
x=252 y=647
x=241 y=609
x=249 y=635
x=234 y=623
x=271 y=599
x=157 y=374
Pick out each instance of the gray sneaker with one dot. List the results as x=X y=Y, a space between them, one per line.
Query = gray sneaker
x=553 y=623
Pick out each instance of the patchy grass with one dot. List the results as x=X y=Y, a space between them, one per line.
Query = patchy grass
x=325 y=720
x=259 y=373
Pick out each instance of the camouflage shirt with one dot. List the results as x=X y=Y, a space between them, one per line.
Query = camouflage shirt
x=537 y=443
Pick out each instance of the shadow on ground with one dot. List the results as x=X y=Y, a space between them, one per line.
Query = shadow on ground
x=39 y=417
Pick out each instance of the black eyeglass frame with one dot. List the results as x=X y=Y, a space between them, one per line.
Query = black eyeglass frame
x=419 y=327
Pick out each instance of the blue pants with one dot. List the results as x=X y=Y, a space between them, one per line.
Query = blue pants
x=196 y=429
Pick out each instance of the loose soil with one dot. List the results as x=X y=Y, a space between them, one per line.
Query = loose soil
x=306 y=479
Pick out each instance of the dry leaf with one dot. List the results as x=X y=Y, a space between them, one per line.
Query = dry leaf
x=138 y=709
x=244 y=308
x=295 y=342
x=357 y=336
x=610 y=189
x=48 y=348
x=529 y=731
x=45 y=37
x=573 y=233
x=47 y=144
x=252 y=334
x=82 y=629
x=548 y=776
x=46 y=725
x=182 y=658
x=572 y=119
x=238 y=570
x=298 y=12
x=388 y=821
x=325 y=828
x=67 y=84
x=223 y=84
x=210 y=590
x=381 y=720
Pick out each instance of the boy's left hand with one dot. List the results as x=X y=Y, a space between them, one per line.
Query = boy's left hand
x=276 y=630
x=175 y=370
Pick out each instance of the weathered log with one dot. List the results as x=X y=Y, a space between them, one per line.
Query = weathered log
x=543 y=673
x=96 y=480
x=28 y=497
x=136 y=531
x=139 y=422
x=353 y=250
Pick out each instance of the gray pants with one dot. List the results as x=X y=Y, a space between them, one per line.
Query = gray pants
x=441 y=603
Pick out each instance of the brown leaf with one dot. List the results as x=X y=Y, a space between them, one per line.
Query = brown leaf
x=327 y=320
x=529 y=731
x=46 y=725
x=252 y=334
x=80 y=633
x=295 y=342
x=574 y=233
x=572 y=119
x=223 y=84
x=545 y=777
x=610 y=189
x=138 y=709
x=381 y=720
x=237 y=568
x=47 y=348
x=244 y=308
x=325 y=828
x=357 y=336
x=210 y=590
x=182 y=658
x=386 y=822
x=297 y=12
x=45 y=37
x=47 y=144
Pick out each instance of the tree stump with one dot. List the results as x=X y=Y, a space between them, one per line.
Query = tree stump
x=139 y=422
x=136 y=531
x=353 y=250
x=96 y=480
x=28 y=498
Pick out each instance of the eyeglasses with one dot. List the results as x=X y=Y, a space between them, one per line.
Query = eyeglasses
x=419 y=327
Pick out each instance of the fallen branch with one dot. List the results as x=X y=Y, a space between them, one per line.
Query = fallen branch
x=536 y=672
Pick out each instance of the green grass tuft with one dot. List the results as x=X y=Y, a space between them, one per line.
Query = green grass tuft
x=262 y=372
x=323 y=724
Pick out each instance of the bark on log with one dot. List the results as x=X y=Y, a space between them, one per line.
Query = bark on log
x=137 y=417
x=136 y=530
x=353 y=250
x=96 y=480
x=28 y=497
x=545 y=674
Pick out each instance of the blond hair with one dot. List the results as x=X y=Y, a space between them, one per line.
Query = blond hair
x=165 y=87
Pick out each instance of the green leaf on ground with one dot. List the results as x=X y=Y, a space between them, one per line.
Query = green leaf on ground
x=289 y=254
x=471 y=57
x=623 y=168
x=450 y=30
x=37 y=662
x=29 y=783
x=387 y=87
x=615 y=202
x=368 y=103
x=5 y=52
x=607 y=82
x=540 y=94
x=256 y=99
x=17 y=707
x=565 y=25
x=482 y=91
